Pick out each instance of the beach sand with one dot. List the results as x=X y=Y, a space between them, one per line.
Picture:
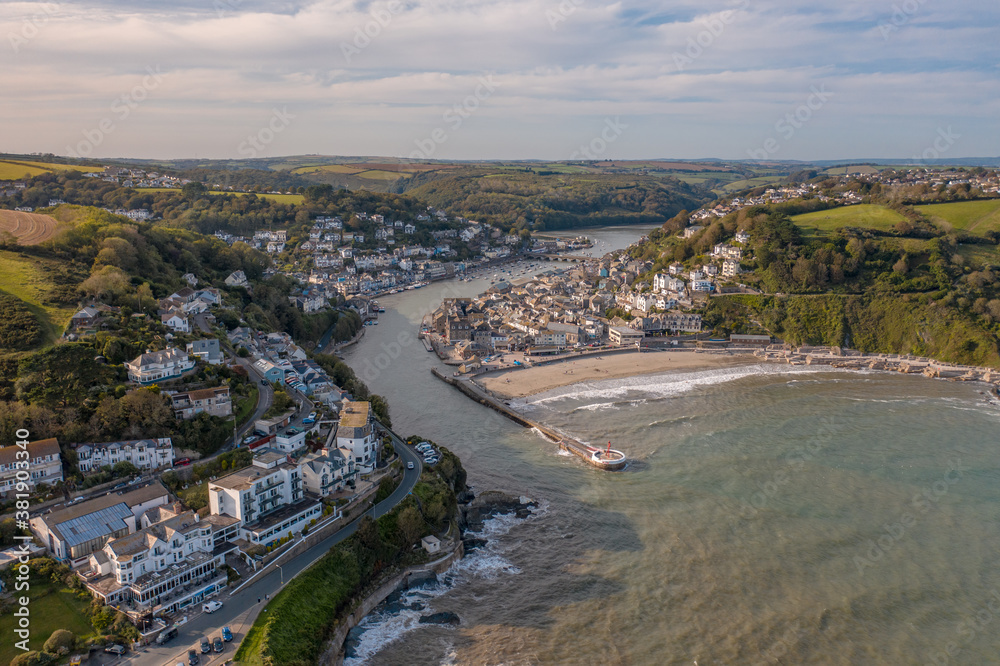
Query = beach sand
x=529 y=381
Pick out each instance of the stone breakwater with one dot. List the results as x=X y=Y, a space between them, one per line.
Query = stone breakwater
x=850 y=359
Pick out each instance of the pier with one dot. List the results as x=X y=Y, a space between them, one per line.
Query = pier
x=609 y=460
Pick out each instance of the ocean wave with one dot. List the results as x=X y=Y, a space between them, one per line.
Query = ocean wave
x=383 y=627
x=663 y=385
x=598 y=406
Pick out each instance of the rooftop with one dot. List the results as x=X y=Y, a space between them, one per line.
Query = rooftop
x=355 y=415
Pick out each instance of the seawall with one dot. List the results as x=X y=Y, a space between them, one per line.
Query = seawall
x=333 y=655
x=613 y=461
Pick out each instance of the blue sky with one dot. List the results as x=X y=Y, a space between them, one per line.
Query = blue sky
x=501 y=80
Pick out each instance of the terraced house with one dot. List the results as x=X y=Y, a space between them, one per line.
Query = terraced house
x=43 y=465
x=146 y=454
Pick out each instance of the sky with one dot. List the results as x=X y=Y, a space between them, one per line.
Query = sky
x=486 y=79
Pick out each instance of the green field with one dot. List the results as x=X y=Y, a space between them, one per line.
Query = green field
x=17 y=169
x=26 y=279
x=326 y=168
x=823 y=222
x=51 y=608
x=975 y=217
x=738 y=185
x=378 y=174
x=294 y=199
x=862 y=168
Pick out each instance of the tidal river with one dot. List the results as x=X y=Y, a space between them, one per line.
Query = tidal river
x=773 y=515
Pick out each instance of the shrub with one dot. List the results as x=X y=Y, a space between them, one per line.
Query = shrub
x=60 y=642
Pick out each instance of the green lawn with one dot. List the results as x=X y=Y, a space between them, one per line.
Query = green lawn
x=52 y=607
x=980 y=255
x=23 y=277
x=976 y=217
x=869 y=216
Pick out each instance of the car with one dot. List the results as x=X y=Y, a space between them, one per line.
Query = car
x=181 y=462
x=166 y=635
x=409 y=465
x=431 y=461
x=115 y=649
x=217 y=645
x=249 y=438
x=264 y=382
x=211 y=606
x=227 y=634
x=193 y=658
x=293 y=431
x=206 y=647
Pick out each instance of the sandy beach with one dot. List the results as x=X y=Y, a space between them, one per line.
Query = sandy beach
x=521 y=383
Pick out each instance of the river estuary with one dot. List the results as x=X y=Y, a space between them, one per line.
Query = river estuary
x=773 y=515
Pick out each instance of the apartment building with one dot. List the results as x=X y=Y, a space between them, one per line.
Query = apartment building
x=267 y=498
x=146 y=454
x=168 y=564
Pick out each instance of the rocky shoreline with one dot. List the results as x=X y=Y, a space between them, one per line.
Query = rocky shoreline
x=473 y=511
x=850 y=359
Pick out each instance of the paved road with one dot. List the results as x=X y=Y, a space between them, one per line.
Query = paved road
x=239 y=611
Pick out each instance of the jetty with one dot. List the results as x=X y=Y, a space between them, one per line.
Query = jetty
x=608 y=459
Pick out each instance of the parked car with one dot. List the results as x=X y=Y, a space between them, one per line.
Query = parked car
x=181 y=462
x=211 y=606
x=310 y=419
x=217 y=645
x=409 y=465
x=293 y=431
x=166 y=635
x=206 y=647
x=115 y=649
x=249 y=438
x=264 y=382
x=193 y=658
x=227 y=634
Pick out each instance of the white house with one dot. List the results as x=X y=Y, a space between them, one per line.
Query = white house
x=237 y=279
x=356 y=433
x=176 y=321
x=158 y=366
x=36 y=463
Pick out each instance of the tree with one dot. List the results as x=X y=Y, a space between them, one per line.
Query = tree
x=411 y=525
x=123 y=469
